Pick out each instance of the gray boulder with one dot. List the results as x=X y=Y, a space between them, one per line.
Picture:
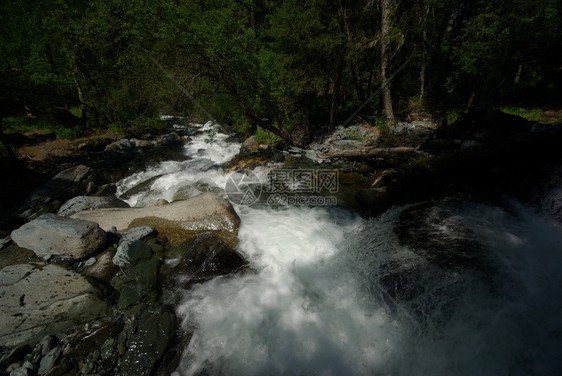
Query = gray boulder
x=51 y=235
x=249 y=147
x=81 y=203
x=37 y=300
x=49 y=197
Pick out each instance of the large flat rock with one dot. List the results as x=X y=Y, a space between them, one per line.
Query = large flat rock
x=204 y=212
x=37 y=300
x=51 y=234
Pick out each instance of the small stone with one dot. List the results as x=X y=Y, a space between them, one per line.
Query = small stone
x=19 y=372
x=49 y=361
x=107 y=348
x=121 y=349
x=96 y=355
x=88 y=368
x=89 y=262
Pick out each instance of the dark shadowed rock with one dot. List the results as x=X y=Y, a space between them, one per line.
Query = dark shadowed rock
x=51 y=234
x=86 y=341
x=202 y=258
x=146 y=348
x=49 y=197
x=81 y=203
x=434 y=231
x=138 y=282
x=104 y=268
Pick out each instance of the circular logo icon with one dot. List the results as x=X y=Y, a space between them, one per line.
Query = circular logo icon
x=243 y=188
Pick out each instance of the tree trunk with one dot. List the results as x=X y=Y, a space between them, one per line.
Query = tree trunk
x=424 y=55
x=337 y=84
x=357 y=83
x=11 y=155
x=84 y=118
x=385 y=62
x=518 y=74
x=370 y=152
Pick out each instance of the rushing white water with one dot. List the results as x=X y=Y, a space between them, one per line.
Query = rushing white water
x=333 y=294
x=208 y=150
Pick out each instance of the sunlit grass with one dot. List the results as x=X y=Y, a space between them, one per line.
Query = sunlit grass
x=535 y=114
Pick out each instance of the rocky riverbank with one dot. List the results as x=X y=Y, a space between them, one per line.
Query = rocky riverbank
x=90 y=285
x=76 y=298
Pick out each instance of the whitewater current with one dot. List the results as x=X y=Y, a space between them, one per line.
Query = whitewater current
x=333 y=294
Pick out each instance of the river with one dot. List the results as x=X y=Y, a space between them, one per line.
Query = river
x=335 y=294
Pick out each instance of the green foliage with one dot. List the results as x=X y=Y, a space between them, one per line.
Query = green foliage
x=35 y=125
x=284 y=66
x=265 y=136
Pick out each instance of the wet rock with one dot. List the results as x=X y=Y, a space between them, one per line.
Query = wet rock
x=36 y=300
x=130 y=252
x=104 y=269
x=168 y=139
x=159 y=202
x=138 y=233
x=206 y=211
x=49 y=197
x=87 y=341
x=140 y=187
x=202 y=258
x=81 y=203
x=142 y=143
x=51 y=235
x=47 y=344
x=434 y=231
x=139 y=281
x=146 y=348
x=48 y=361
x=249 y=147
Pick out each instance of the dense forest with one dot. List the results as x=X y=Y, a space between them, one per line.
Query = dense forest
x=289 y=67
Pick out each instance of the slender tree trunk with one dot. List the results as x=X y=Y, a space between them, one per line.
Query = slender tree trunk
x=84 y=118
x=11 y=155
x=385 y=62
x=357 y=82
x=424 y=55
x=518 y=74
x=337 y=84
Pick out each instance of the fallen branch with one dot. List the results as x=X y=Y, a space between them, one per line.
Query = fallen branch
x=368 y=152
